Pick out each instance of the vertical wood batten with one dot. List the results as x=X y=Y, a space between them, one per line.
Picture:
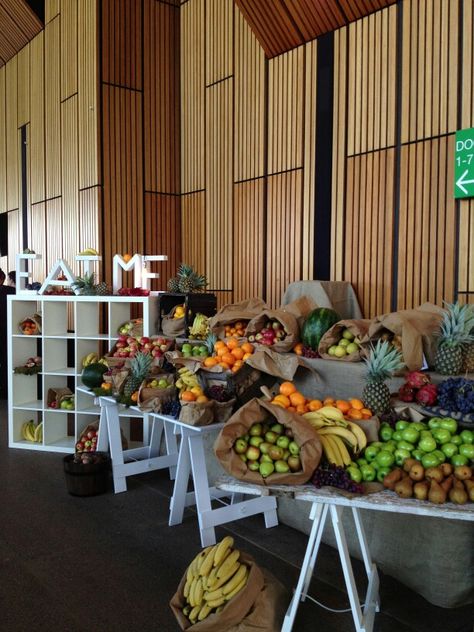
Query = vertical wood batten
x=11 y=135
x=52 y=57
x=3 y=143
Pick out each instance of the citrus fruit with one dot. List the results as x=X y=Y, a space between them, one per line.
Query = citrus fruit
x=188 y=396
x=287 y=388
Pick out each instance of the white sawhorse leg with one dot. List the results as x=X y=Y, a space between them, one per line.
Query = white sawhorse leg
x=363 y=621
x=192 y=459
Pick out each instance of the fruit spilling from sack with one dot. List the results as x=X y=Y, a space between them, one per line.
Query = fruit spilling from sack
x=271 y=332
x=213 y=578
x=347 y=345
x=269 y=448
x=88 y=441
x=31 y=366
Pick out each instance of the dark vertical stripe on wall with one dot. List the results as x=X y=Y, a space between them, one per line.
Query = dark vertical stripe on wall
x=457 y=202
x=324 y=141
x=398 y=135
x=24 y=189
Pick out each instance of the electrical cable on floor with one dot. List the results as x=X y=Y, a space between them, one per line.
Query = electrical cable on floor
x=362 y=605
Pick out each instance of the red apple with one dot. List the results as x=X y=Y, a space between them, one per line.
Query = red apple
x=120 y=344
x=144 y=339
x=79 y=446
x=91 y=434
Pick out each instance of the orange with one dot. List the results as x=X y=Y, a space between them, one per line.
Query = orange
x=298 y=348
x=210 y=362
x=225 y=366
x=220 y=344
x=329 y=401
x=247 y=347
x=134 y=396
x=238 y=353
x=232 y=331
x=287 y=388
x=201 y=399
x=240 y=332
x=297 y=399
x=278 y=404
x=343 y=405
x=239 y=324
x=187 y=396
x=246 y=355
x=228 y=358
x=315 y=404
x=356 y=403
x=232 y=343
x=292 y=409
x=301 y=409
x=353 y=413
x=126 y=257
x=106 y=386
x=282 y=399
x=236 y=368
x=366 y=413
x=222 y=351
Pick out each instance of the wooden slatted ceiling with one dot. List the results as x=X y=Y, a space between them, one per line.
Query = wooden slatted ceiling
x=281 y=25
x=429 y=79
x=161 y=115
x=18 y=25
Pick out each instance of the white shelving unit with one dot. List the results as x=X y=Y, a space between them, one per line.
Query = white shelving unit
x=72 y=327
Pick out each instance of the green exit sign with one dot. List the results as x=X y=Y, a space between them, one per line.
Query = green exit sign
x=464 y=164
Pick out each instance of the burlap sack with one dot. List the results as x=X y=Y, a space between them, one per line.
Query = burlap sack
x=36 y=318
x=223 y=410
x=358 y=328
x=300 y=308
x=135 y=327
x=197 y=414
x=177 y=359
x=257 y=410
x=417 y=329
x=117 y=378
x=283 y=366
x=95 y=426
x=233 y=312
x=370 y=427
x=287 y=319
x=234 y=611
x=152 y=399
x=171 y=326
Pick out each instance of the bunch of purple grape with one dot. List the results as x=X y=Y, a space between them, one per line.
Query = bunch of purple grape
x=457 y=393
x=172 y=409
x=309 y=353
x=219 y=393
x=335 y=476
x=391 y=417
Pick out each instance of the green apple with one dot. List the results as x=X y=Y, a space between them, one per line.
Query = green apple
x=266 y=469
x=240 y=446
x=347 y=334
x=278 y=428
x=434 y=422
x=401 y=455
x=405 y=445
x=344 y=343
x=397 y=436
x=427 y=443
x=382 y=473
x=401 y=424
x=419 y=425
x=368 y=473
x=375 y=464
x=256 y=441
x=391 y=446
x=371 y=452
x=441 y=456
x=429 y=460
x=448 y=423
x=354 y=473
x=281 y=466
x=256 y=430
x=294 y=448
x=187 y=348
x=271 y=437
x=352 y=348
x=385 y=458
x=449 y=449
x=467 y=450
x=441 y=435
x=196 y=351
x=385 y=432
x=456 y=439
x=459 y=459
x=417 y=454
x=162 y=383
x=410 y=434
x=332 y=350
x=283 y=442
x=361 y=462
x=253 y=466
x=339 y=351
x=467 y=436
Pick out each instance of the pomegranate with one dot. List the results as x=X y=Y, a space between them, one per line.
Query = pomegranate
x=417 y=379
x=406 y=393
x=427 y=395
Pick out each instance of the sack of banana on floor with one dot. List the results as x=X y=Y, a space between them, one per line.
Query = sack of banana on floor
x=224 y=589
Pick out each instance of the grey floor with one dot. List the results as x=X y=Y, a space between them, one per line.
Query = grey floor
x=111 y=562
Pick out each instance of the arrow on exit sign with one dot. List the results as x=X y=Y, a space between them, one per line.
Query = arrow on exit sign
x=464 y=164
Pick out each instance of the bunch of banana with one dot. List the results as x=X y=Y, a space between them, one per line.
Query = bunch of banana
x=336 y=433
x=186 y=380
x=32 y=432
x=89 y=251
x=213 y=578
x=91 y=358
x=200 y=328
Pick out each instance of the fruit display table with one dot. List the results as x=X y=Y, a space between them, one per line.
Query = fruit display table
x=192 y=462
x=324 y=504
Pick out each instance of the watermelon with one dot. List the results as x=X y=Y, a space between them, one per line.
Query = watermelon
x=92 y=374
x=316 y=325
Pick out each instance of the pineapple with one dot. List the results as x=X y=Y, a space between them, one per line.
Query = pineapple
x=210 y=341
x=87 y=287
x=173 y=285
x=455 y=336
x=468 y=359
x=189 y=280
x=384 y=360
x=139 y=368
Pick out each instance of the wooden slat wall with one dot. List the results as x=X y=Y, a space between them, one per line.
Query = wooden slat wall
x=37 y=127
x=193 y=214
x=14 y=237
x=37 y=238
x=70 y=181
x=3 y=145
x=18 y=25
x=163 y=224
x=69 y=44
x=11 y=135
x=52 y=56
x=23 y=86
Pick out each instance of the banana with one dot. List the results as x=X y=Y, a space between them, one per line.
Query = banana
x=204 y=612
x=200 y=559
x=212 y=595
x=211 y=578
x=227 y=565
x=184 y=370
x=226 y=543
x=344 y=433
x=198 y=592
x=39 y=433
x=91 y=358
x=219 y=609
x=237 y=589
x=207 y=564
x=340 y=449
x=330 y=412
x=220 y=581
x=235 y=580
x=190 y=574
x=30 y=431
x=329 y=452
x=359 y=434
x=187 y=587
x=192 y=588
x=319 y=422
x=89 y=251
x=193 y=615
x=23 y=429
x=216 y=603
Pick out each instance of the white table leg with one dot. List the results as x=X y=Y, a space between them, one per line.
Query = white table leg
x=318 y=513
x=178 y=499
x=201 y=486
x=364 y=547
x=171 y=446
x=103 y=439
x=155 y=437
x=116 y=451
x=311 y=552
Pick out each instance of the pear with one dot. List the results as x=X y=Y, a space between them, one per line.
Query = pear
x=436 y=494
x=404 y=488
x=447 y=483
x=417 y=472
x=446 y=468
x=392 y=478
x=434 y=473
x=463 y=472
x=469 y=485
x=458 y=494
x=408 y=464
x=420 y=490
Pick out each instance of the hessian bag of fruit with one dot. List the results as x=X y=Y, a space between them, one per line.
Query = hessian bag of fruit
x=257 y=410
x=358 y=328
x=235 y=312
x=172 y=326
x=290 y=326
